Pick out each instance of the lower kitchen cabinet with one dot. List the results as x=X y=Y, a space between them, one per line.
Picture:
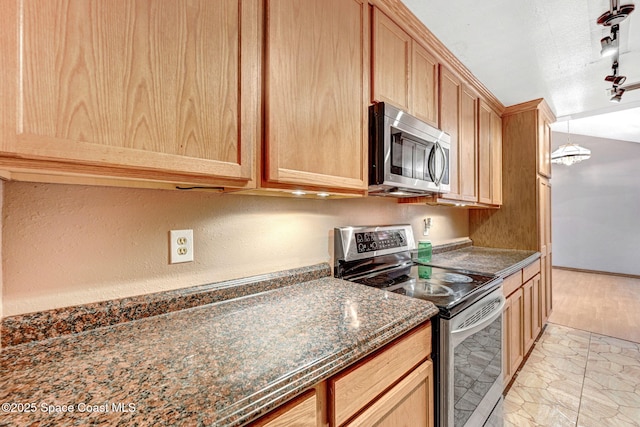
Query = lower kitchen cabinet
x=523 y=316
x=532 y=311
x=408 y=403
x=514 y=345
x=391 y=387
x=299 y=412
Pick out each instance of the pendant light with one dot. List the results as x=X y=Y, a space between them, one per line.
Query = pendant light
x=570 y=153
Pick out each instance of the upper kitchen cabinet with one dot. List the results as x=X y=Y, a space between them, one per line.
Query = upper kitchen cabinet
x=154 y=91
x=545 y=118
x=468 y=144
x=519 y=224
x=316 y=95
x=489 y=155
x=404 y=72
x=458 y=118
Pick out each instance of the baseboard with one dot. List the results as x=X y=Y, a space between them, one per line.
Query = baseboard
x=608 y=273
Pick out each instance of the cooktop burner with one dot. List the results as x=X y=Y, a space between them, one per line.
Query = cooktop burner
x=453 y=278
x=432 y=289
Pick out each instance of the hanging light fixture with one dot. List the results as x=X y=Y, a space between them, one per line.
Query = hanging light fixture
x=570 y=153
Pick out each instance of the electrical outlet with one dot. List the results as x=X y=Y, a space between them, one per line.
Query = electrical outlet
x=180 y=246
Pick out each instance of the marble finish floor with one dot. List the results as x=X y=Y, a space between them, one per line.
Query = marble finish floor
x=576 y=378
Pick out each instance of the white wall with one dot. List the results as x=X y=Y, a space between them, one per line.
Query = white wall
x=65 y=245
x=596 y=207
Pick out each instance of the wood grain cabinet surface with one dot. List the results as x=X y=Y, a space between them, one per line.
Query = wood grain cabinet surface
x=409 y=403
x=459 y=118
x=489 y=155
x=139 y=89
x=515 y=331
x=301 y=412
x=404 y=72
x=523 y=316
x=449 y=105
x=391 y=387
x=316 y=94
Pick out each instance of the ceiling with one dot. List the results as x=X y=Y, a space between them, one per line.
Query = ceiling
x=523 y=50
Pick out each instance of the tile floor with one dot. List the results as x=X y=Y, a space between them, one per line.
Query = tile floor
x=576 y=378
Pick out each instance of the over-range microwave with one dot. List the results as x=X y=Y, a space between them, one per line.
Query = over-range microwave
x=407 y=157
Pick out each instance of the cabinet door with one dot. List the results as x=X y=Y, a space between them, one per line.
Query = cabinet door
x=506 y=342
x=449 y=105
x=143 y=86
x=468 y=145
x=356 y=388
x=516 y=341
x=496 y=158
x=548 y=287
x=410 y=402
x=424 y=85
x=391 y=61
x=301 y=412
x=484 y=154
x=531 y=312
x=544 y=215
x=316 y=94
x=544 y=145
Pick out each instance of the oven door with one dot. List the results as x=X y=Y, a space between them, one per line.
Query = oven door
x=471 y=362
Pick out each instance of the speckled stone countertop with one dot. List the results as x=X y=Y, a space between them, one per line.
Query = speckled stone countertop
x=500 y=262
x=220 y=364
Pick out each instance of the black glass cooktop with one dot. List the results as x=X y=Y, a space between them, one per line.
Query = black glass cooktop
x=443 y=287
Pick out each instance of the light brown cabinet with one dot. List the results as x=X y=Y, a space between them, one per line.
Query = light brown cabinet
x=358 y=387
x=156 y=91
x=301 y=412
x=514 y=347
x=392 y=386
x=410 y=402
x=468 y=145
x=524 y=220
x=544 y=218
x=404 y=72
x=522 y=316
x=545 y=118
x=489 y=155
x=450 y=92
x=316 y=95
x=532 y=311
x=458 y=118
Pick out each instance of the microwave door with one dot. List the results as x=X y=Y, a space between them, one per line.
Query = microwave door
x=420 y=170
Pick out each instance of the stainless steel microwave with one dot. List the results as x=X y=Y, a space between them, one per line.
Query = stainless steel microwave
x=407 y=157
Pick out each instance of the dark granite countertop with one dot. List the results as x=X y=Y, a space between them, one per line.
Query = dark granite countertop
x=500 y=262
x=220 y=364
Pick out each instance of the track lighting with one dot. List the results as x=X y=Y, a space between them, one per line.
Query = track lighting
x=616 y=80
x=616 y=94
x=610 y=46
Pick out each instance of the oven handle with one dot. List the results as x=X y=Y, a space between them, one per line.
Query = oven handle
x=487 y=320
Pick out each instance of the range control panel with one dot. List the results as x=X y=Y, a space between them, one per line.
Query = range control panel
x=353 y=243
x=372 y=241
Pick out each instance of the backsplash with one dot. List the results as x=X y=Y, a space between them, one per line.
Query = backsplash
x=68 y=245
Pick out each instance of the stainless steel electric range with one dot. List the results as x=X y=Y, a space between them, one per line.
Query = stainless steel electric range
x=467 y=333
